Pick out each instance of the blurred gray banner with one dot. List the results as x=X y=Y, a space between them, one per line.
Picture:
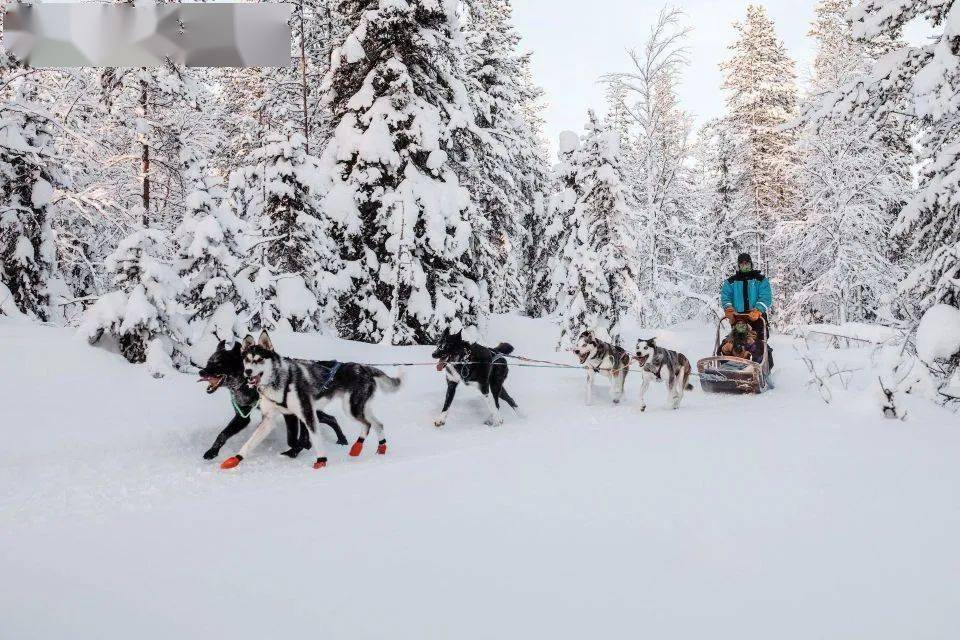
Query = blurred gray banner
x=122 y=35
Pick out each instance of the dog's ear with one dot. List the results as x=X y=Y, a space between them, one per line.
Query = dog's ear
x=652 y=342
x=222 y=346
x=236 y=347
x=248 y=342
x=264 y=341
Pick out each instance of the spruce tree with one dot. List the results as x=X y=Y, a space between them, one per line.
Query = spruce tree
x=141 y=313
x=398 y=94
x=292 y=244
x=836 y=254
x=599 y=289
x=28 y=175
x=761 y=99
x=501 y=165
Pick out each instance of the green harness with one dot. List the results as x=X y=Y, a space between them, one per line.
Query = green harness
x=236 y=407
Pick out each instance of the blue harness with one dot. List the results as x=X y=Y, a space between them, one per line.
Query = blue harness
x=333 y=372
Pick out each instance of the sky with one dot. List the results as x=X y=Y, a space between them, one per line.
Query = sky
x=575 y=42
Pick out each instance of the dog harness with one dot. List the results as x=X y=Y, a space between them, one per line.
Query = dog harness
x=236 y=407
x=333 y=372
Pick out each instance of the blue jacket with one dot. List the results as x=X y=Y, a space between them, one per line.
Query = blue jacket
x=746 y=291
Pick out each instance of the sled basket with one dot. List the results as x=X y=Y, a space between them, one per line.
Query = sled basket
x=730 y=375
x=724 y=374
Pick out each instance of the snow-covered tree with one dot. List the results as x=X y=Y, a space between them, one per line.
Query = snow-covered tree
x=292 y=245
x=761 y=99
x=599 y=289
x=399 y=98
x=141 y=314
x=210 y=259
x=924 y=82
x=501 y=167
x=29 y=173
x=552 y=227
x=836 y=253
x=659 y=152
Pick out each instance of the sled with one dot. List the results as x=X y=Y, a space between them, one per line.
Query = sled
x=726 y=374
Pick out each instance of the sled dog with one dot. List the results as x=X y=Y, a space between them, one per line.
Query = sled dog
x=225 y=369
x=472 y=363
x=654 y=360
x=289 y=386
x=606 y=359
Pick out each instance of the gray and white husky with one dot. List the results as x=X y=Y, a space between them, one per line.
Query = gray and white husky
x=289 y=386
x=606 y=359
x=653 y=361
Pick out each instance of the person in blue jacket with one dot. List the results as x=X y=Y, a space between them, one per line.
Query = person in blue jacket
x=747 y=292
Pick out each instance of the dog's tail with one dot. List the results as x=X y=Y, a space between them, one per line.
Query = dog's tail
x=504 y=347
x=387 y=383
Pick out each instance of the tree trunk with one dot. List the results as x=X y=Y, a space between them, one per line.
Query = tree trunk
x=304 y=90
x=144 y=157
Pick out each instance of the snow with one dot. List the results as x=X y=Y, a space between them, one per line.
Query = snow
x=861 y=331
x=569 y=142
x=938 y=336
x=41 y=193
x=761 y=517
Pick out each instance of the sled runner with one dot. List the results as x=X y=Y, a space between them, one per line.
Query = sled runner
x=728 y=374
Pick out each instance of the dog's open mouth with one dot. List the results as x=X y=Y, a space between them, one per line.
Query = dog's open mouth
x=582 y=356
x=441 y=365
x=254 y=381
x=213 y=382
x=642 y=360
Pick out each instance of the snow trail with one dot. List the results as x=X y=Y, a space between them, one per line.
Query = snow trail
x=771 y=516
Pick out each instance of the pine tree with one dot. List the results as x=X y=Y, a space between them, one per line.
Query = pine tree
x=293 y=249
x=28 y=175
x=501 y=163
x=599 y=289
x=921 y=81
x=210 y=259
x=761 y=99
x=398 y=94
x=141 y=313
x=552 y=228
x=836 y=257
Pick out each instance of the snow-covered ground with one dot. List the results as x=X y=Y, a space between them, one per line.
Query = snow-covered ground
x=773 y=517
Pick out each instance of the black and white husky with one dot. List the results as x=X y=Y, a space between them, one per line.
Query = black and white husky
x=606 y=359
x=470 y=363
x=655 y=361
x=289 y=386
x=224 y=369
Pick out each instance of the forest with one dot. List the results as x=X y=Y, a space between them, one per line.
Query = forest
x=394 y=181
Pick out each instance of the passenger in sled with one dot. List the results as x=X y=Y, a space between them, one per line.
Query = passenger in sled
x=746 y=299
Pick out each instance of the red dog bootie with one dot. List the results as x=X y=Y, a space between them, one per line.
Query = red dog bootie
x=230 y=463
x=382 y=449
x=357 y=448
x=320 y=463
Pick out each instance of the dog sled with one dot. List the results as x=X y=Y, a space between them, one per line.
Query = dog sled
x=728 y=374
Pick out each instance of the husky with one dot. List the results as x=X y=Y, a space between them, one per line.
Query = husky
x=289 y=386
x=653 y=360
x=606 y=359
x=225 y=369
x=472 y=363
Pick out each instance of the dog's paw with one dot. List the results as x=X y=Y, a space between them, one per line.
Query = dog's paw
x=211 y=454
x=342 y=441
x=439 y=423
x=616 y=401
x=232 y=462
x=292 y=453
x=643 y=408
